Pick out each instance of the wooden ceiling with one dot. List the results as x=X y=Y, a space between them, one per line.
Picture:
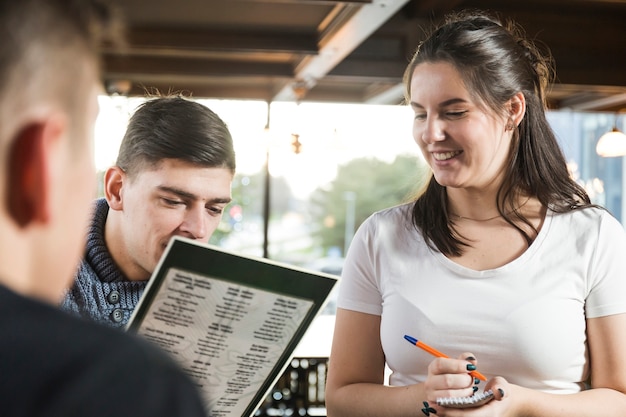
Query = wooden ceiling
x=347 y=51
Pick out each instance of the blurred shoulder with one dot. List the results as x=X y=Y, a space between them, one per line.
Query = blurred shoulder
x=87 y=365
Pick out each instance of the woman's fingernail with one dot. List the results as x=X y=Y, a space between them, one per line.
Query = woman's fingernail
x=471 y=367
x=475 y=388
x=476 y=381
x=501 y=391
x=470 y=358
x=428 y=409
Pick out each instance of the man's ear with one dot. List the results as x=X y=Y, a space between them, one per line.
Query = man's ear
x=30 y=175
x=114 y=178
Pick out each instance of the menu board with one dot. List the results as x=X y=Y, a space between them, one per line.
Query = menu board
x=231 y=321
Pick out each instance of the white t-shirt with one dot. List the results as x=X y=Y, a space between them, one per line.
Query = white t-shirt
x=524 y=321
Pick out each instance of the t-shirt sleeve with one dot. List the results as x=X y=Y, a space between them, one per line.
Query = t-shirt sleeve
x=607 y=279
x=359 y=284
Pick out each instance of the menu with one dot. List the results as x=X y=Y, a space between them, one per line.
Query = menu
x=232 y=321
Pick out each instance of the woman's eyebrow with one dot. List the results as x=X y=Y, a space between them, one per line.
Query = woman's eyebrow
x=445 y=103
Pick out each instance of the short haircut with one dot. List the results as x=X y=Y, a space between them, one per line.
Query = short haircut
x=174 y=127
x=50 y=52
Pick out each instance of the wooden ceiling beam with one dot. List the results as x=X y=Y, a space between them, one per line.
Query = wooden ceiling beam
x=150 y=39
x=119 y=67
x=201 y=89
x=383 y=70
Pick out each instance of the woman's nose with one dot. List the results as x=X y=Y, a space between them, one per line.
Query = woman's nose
x=432 y=131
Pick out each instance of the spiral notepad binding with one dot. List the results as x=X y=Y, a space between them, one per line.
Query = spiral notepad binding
x=466 y=402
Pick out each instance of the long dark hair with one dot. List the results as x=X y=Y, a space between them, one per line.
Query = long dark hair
x=496 y=62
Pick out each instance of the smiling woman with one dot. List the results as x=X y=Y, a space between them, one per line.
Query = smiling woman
x=502 y=240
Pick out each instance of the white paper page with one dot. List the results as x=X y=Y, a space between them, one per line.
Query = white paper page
x=232 y=346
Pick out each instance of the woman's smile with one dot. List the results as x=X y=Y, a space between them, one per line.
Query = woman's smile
x=444 y=156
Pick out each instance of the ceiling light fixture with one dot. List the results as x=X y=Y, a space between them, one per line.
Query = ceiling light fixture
x=612 y=143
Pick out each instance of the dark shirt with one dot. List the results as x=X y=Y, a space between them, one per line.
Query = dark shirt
x=52 y=364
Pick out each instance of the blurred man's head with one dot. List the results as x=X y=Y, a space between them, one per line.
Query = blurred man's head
x=49 y=81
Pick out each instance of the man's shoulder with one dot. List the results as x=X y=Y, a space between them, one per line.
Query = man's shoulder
x=86 y=364
x=54 y=329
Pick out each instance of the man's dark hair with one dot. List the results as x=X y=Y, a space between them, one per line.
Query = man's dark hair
x=175 y=128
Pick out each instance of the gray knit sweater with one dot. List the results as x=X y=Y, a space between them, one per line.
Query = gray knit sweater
x=101 y=292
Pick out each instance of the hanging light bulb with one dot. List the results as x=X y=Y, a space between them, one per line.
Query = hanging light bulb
x=612 y=143
x=296 y=145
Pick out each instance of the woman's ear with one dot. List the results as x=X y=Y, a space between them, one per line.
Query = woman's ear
x=517 y=108
x=30 y=173
x=114 y=178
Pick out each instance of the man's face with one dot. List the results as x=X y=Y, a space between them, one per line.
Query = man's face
x=175 y=198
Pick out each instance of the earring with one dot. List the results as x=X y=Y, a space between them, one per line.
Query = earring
x=510 y=126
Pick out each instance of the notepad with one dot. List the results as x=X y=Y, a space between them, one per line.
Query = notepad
x=466 y=402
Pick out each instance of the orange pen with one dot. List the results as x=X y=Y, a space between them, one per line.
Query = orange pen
x=438 y=354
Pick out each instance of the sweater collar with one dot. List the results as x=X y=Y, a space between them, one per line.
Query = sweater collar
x=97 y=254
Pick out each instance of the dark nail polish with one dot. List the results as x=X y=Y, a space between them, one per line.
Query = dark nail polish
x=476 y=381
x=501 y=391
x=471 y=367
x=470 y=358
x=475 y=388
x=428 y=409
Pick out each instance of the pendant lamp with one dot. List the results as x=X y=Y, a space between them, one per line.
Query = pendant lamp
x=612 y=143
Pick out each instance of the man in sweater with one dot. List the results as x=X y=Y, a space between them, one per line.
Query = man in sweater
x=53 y=364
x=172 y=177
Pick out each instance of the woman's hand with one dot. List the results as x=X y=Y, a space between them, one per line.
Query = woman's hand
x=500 y=406
x=450 y=378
